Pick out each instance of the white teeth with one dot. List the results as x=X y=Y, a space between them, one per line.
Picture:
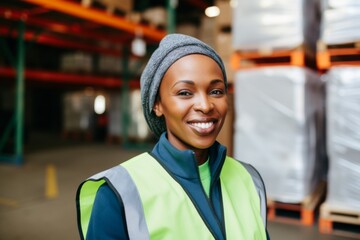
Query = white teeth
x=203 y=125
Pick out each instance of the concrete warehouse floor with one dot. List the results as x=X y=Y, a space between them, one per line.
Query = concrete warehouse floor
x=37 y=199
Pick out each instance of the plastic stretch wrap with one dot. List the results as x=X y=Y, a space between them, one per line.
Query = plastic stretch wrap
x=78 y=111
x=326 y=4
x=114 y=113
x=343 y=136
x=269 y=24
x=341 y=21
x=277 y=114
x=136 y=127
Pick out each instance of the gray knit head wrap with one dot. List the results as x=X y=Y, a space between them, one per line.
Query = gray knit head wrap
x=172 y=47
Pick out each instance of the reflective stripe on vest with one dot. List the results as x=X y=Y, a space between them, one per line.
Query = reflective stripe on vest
x=153 y=206
x=260 y=188
x=119 y=179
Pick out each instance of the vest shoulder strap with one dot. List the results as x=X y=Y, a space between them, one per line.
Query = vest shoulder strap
x=260 y=187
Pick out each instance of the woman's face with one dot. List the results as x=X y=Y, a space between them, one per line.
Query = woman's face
x=193 y=100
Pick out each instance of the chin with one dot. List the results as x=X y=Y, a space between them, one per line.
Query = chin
x=204 y=144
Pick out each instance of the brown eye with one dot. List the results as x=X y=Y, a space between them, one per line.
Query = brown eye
x=184 y=93
x=217 y=92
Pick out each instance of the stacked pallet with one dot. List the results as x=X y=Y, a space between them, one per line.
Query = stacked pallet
x=114 y=129
x=276 y=129
x=130 y=123
x=275 y=33
x=339 y=58
x=339 y=41
x=342 y=203
x=77 y=62
x=341 y=21
x=279 y=102
x=78 y=115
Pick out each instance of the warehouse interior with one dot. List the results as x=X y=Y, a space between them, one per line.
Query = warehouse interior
x=70 y=103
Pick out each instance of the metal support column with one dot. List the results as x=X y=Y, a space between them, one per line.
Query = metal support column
x=20 y=92
x=16 y=122
x=171 y=15
x=125 y=96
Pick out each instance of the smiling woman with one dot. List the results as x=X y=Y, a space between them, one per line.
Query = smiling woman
x=193 y=101
x=184 y=99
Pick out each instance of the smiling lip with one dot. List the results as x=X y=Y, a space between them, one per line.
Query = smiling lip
x=203 y=127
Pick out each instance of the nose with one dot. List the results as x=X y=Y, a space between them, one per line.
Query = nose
x=203 y=103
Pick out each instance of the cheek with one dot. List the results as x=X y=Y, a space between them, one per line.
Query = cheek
x=222 y=107
x=176 y=110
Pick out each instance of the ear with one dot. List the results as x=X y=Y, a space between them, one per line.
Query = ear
x=158 y=108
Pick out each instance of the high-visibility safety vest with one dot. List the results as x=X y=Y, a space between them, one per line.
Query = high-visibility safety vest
x=161 y=209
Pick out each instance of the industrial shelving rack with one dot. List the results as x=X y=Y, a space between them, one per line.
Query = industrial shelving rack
x=64 y=24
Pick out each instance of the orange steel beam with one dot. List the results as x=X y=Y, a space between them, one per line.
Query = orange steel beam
x=68 y=78
x=74 y=29
x=47 y=39
x=93 y=15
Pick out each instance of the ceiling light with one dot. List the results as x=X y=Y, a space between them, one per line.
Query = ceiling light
x=100 y=104
x=212 y=11
x=138 y=45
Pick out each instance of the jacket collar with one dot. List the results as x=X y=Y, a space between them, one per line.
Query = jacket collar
x=183 y=163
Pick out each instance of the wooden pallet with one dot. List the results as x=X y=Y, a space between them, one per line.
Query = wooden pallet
x=339 y=221
x=337 y=54
x=268 y=57
x=298 y=213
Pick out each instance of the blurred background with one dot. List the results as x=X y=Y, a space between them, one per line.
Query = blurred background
x=70 y=103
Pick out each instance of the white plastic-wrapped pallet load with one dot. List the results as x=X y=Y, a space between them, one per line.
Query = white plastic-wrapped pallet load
x=78 y=111
x=276 y=128
x=343 y=137
x=272 y=24
x=331 y=4
x=136 y=127
x=114 y=115
x=340 y=21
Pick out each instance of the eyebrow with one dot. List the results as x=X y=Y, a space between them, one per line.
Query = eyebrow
x=193 y=83
x=184 y=81
x=217 y=81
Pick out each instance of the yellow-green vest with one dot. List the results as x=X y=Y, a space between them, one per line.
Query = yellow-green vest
x=161 y=209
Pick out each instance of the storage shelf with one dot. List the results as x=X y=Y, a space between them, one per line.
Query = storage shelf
x=68 y=78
